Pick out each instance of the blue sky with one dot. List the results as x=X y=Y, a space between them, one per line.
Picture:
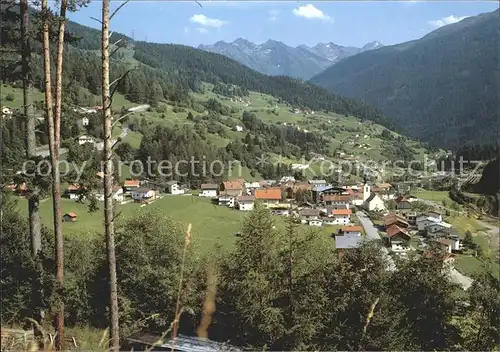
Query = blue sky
x=294 y=23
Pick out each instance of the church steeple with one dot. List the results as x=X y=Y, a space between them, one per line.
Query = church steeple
x=366 y=188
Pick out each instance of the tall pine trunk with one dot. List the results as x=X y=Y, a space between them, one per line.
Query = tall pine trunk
x=54 y=125
x=114 y=344
x=30 y=140
x=56 y=186
x=34 y=212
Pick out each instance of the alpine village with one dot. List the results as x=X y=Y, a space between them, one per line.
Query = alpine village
x=242 y=196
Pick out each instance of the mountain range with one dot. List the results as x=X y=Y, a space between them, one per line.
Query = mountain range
x=278 y=59
x=442 y=88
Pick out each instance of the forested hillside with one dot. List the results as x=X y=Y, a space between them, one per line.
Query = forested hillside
x=157 y=71
x=442 y=88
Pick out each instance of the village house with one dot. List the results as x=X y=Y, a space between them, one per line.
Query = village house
x=238 y=128
x=439 y=226
x=394 y=219
x=343 y=242
x=356 y=198
x=281 y=211
x=341 y=216
x=130 y=185
x=116 y=194
x=384 y=190
x=7 y=112
x=173 y=187
x=286 y=179
x=402 y=203
x=329 y=221
x=337 y=200
x=307 y=215
x=232 y=188
x=86 y=139
x=352 y=230
x=73 y=192
x=316 y=222
x=398 y=238
x=318 y=183
x=423 y=221
x=411 y=217
x=143 y=194
x=227 y=199
x=269 y=195
x=250 y=187
x=69 y=217
x=85 y=121
x=435 y=215
x=245 y=203
x=383 y=186
x=209 y=190
x=446 y=244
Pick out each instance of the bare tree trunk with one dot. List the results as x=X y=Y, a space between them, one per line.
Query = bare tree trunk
x=34 y=200
x=114 y=344
x=54 y=125
x=34 y=212
x=56 y=188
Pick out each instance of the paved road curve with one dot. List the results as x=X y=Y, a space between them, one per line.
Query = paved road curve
x=372 y=234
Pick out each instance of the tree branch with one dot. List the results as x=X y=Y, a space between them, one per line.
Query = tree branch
x=118 y=9
x=96 y=19
x=122 y=117
x=116 y=87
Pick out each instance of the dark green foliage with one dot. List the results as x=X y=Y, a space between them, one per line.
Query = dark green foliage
x=398 y=150
x=197 y=65
x=441 y=88
x=485 y=308
x=172 y=145
x=229 y=91
x=19 y=271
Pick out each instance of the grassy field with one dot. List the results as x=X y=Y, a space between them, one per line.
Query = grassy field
x=435 y=196
x=464 y=223
x=211 y=224
x=17 y=95
x=470 y=266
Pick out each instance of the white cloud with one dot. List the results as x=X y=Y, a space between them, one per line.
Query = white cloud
x=446 y=20
x=207 y=21
x=309 y=11
x=202 y=30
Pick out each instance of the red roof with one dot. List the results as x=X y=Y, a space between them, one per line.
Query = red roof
x=73 y=187
x=71 y=215
x=394 y=230
x=233 y=185
x=401 y=199
x=131 y=183
x=268 y=194
x=341 y=211
x=352 y=229
x=444 y=241
x=394 y=218
x=336 y=198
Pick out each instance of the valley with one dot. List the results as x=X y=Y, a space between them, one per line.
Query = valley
x=242 y=196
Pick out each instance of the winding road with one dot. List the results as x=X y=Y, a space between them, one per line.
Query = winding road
x=372 y=234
